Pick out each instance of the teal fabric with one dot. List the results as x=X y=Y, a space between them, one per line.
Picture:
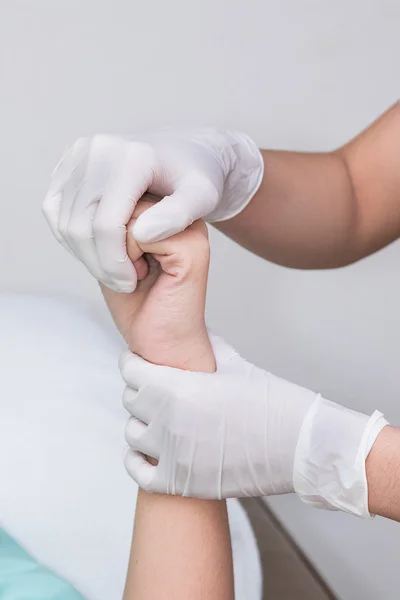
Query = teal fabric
x=22 y=578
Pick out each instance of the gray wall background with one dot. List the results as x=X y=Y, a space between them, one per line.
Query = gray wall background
x=296 y=75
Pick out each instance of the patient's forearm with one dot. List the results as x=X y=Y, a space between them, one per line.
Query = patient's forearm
x=180 y=550
x=181 y=546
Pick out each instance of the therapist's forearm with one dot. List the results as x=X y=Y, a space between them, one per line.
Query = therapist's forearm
x=383 y=474
x=181 y=546
x=326 y=210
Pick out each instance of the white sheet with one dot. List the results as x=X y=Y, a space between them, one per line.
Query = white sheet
x=64 y=493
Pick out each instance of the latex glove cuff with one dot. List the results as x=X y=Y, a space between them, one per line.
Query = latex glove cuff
x=329 y=466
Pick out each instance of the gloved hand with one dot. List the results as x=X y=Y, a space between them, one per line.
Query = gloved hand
x=243 y=432
x=95 y=187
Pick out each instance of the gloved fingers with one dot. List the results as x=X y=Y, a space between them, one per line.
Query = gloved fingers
x=91 y=177
x=65 y=168
x=136 y=371
x=139 y=437
x=51 y=210
x=77 y=186
x=113 y=258
x=75 y=155
x=140 y=469
x=124 y=188
x=175 y=213
x=128 y=400
x=68 y=198
x=66 y=180
x=81 y=236
x=147 y=403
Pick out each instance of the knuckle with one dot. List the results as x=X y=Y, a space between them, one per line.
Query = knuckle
x=127 y=398
x=63 y=230
x=47 y=211
x=107 y=146
x=135 y=473
x=125 y=368
x=72 y=155
x=78 y=231
x=142 y=481
x=133 y=431
x=101 y=140
x=47 y=205
x=51 y=203
x=127 y=463
x=47 y=214
x=140 y=148
x=78 y=144
x=129 y=437
x=101 y=227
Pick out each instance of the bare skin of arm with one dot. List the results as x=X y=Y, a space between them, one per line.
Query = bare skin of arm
x=326 y=210
x=181 y=546
x=383 y=475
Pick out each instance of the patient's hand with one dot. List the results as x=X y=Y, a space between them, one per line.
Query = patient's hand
x=165 y=314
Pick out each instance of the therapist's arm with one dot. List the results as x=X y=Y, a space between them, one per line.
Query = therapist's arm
x=383 y=474
x=181 y=546
x=326 y=210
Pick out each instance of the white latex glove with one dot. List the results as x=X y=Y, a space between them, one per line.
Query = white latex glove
x=95 y=187
x=243 y=432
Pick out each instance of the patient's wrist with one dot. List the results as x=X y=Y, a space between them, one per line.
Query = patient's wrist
x=188 y=354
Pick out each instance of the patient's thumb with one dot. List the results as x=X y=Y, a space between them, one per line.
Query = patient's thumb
x=169 y=216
